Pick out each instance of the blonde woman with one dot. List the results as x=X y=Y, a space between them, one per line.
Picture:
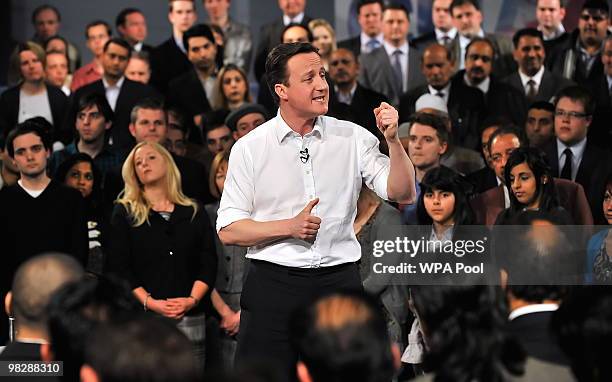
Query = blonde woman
x=324 y=39
x=161 y=242
x=232 y=88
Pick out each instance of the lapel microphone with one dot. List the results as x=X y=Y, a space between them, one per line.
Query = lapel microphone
x=304 y=156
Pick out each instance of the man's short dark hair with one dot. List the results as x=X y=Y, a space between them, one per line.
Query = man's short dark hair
x=121 y=42
x=435 y=122
x=542 y=105
x=530 y=32
x=601 y=5
x=509 y=130
x=28 y=127
x=476 y=40
x=343 y=337
x=577 y=94
x=150 y=103
x=214 y=119
x=55 y=37
x=99 y=100
x=95 y=23
x=198 y=30
x=309 y=35
x=45 y=7
x=397 y=7
x=122 y=16
x=276 y=63
x=459 y=3
x=363 y=3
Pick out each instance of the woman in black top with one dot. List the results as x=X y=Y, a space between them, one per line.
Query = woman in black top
x=161 y=242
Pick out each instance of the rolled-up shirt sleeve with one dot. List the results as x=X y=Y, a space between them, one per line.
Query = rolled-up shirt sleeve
x=238 y=190
x=374 y=165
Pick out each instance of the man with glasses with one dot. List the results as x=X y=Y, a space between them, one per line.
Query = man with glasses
x=573 y=155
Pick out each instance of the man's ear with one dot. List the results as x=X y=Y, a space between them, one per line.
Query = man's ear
x=443 y=148
x=132 y=129
x=88 y=374
x=397 y=357
x=8 y=303
x=281 y=91
x=503 y=279
x=302 y=372
x=46 y=354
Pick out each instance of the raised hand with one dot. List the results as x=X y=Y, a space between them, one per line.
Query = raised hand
x=305 y=226
x=387 y=121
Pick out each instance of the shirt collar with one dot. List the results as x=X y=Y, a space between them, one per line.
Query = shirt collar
x=558 y=32
x=445 y=90
x=609 y=82
x=296 y=20
x=138 y=46
x=577 y=149
x=390 y=48
x=179 y=43
x=464 y=41
x=534 y=308
x=440 y=35
x=537 y=77
x=117 y=85
x=346 y=97
x=483 y=86
x=365 y=38
x=283 y=130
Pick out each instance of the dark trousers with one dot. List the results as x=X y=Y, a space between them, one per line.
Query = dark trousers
x=269 y=297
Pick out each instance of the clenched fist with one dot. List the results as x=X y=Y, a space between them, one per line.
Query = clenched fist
x=305 y=226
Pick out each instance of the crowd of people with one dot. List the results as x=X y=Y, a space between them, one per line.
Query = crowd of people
x=161 y=221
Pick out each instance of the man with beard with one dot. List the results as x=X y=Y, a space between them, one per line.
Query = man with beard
x=190 y=91
x=501 y=100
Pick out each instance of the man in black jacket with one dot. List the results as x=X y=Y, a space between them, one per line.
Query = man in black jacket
x=369 y=17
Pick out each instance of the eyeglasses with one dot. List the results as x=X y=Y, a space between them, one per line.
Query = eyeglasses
x=596 y=18
x=570 y=114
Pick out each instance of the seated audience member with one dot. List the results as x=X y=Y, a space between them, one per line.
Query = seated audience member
x=501 y=99
x=530 y=186
x=176 y=139
x=464 y=103
x=46 y=20
x=599 y=250
x=392 y=69
x=550 y=15
x=582 y=326
x=330 y=336
x=139 y=67
x=27 y=302
x=231 y=274
x=324 y=39
x=458 y=336
x=56 y=71
x=532 y=78
x=238 y=45
x=232 y=88
x=149 y=123
x=192 y=91
x=245 y=119
x=156 y=230
x=97 y=33
x=32 y=97
x=217 y=135
x=142 y=348
x=132 y=26
x=372 y=222
x=485 y=179
x=533 y=268
x=351 y=101
x=9 y=172
x=575 y=156
x=369 y=17
x=444 y=31
x=121 y=93
x=76 y=309
x=79 y=171
x=540 y=124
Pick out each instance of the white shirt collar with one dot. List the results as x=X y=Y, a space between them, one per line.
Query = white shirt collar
x=343 y=97
x=138 y=46
x=179 y=43
x=483 y=86
x=445 y=90
x=558 y=32
x=535 y=308
x=537 y=78
x=295 y=20
x=609 y=82
x=283 y=129
x=464 y=41
x=391 y=48
x=117 y=85
x=440 y=35
x=364 y=38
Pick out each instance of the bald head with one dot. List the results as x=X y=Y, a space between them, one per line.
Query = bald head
x=35 y=282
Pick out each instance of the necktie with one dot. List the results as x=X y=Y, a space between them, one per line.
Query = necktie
x=397 y=70
x=440 y=94
x=446 y=40
x=372 y=44
x=531 y=89
x=566 y=173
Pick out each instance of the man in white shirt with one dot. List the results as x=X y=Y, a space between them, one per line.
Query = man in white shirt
x=290 y=196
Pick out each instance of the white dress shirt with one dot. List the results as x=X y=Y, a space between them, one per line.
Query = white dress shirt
x=577 y=152
x=390 y=49
x=533 y=308
x=483 y=86
x=557 y=33
x=445 y=91
x=267 y=181
x=34 y=105
x=293 y=20
x=364 y=38
x=537 y=78
x=343 y=97
x=112 y=91
x=179 y=43
x=440 y=35
x=463 y=43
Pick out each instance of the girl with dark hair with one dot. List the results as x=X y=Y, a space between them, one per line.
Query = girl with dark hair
x=78 y=171
x=599 y=249
x=530 y=186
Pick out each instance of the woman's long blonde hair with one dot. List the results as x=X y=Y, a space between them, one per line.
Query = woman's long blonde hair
x=132 y=197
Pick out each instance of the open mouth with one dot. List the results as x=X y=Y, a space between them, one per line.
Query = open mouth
x=319 y=99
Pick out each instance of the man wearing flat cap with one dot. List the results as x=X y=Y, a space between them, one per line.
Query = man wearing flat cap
x=246 y=118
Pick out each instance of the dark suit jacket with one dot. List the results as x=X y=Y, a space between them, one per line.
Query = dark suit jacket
x=482 y=180
x=167 y=62
x=465 y=108
x=187 y=93
x=9 y=109
x=552 y=46
x=594 y=169
x=533 y=332
x=353 y=44
x=572 y=198
x=503 y=64
x=550 y=85
x=131 y=93
x=269 y=37
x=376 y=73
x=600 y=131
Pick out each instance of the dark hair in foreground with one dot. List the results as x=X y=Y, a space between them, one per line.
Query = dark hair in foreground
x=98 y=100
x=577 y=93
x=62 y=171
x=142 y=348
x=27 y=127
x=445 y=179
x=343 y=337
x=276 y=63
